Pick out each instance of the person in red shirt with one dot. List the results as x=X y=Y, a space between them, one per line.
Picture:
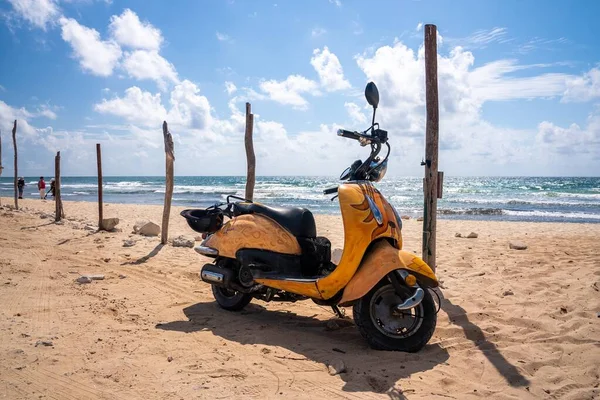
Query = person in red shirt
x=42 y=187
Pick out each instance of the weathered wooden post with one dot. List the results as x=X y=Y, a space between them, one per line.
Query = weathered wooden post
x=58 y=209
x=14 y=137
x=250 y=157
x=431 y=146
x=100 y=211
x=170 y=157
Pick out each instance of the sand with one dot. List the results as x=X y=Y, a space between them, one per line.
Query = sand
x=513 y=325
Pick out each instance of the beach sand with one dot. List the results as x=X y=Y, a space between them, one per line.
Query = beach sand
x=513 y=325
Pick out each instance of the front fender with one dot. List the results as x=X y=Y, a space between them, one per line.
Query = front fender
x=382 y=259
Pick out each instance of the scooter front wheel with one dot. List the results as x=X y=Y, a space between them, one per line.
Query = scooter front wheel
x=386 y=329
x=229 y=299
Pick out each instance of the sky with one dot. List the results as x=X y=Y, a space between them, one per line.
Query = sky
x=519 y=85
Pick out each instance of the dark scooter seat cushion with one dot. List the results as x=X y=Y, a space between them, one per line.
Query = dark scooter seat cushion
x=299 y=221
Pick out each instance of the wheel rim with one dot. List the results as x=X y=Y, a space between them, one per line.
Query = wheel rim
x=228 y=293
x=392 y=323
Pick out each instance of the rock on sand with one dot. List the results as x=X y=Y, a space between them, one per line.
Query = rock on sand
x=183 y=241
x=516 y=245
x=146 y=228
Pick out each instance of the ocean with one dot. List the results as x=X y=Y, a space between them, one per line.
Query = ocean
x=477 y=198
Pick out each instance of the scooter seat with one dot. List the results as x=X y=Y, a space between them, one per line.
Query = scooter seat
x=299 y=221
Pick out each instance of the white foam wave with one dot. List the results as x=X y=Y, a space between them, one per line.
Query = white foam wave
x=551 y=214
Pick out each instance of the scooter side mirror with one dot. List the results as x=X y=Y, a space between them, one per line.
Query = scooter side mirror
x=372 y=94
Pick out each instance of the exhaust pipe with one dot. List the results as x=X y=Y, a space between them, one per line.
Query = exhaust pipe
x=214 y=275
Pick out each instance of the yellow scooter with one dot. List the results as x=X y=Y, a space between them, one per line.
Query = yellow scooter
x=274 y=254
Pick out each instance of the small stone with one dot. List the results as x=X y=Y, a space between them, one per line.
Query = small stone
x=59 y=223
x=264 y=350
x=146 y=228
x=89 y=228
x=110 y=223
x=183 y=241
x=45 y=216
x=563 y=310
x=405 y=217
x=106 y=259
x=83 y=279
x=128 y=243
x=121 y=276
x=337 y=367
x=472 y=235
x=516 y=245
x=169 y=359
x=508 y=293
x=420 y=219
x=43 y=343
x=96 y=277
x=457 y=234
x=332 y=326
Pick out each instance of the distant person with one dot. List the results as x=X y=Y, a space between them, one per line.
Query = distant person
x=52 y=190
x=42 y=187
x=21 y=186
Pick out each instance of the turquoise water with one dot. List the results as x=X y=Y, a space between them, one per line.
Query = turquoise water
x=489 y=198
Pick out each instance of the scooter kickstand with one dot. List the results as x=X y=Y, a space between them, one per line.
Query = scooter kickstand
x=338 y=312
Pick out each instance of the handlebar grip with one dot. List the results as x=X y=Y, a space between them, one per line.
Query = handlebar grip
x=348 y=134
x=330 y=190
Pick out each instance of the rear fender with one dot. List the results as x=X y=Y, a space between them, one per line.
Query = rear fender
x=382 y=259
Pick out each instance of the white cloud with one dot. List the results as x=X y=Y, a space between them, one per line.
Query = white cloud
x=46 y=111
x=583 y=88
x=94 y=55
x=223 y=37
x=419 y=27
x=316 y=32
x=39 y=13
x=329 y=69
x=230 y=88
x=484 y=37
x=188 y=107
x=289 y=91
x=136 y=106
x=127 y=30
x=493 y=82
x=338 y=3
x=355 y=113
x=148 y=64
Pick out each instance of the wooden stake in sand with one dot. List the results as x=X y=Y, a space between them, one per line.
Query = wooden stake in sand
x=58 y=209
x=170 y=157
x=99 y=162
x=431 y=146
x=250 y=157
x=14 y=137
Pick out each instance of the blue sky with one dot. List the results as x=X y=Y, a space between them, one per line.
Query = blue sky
x=519 y=84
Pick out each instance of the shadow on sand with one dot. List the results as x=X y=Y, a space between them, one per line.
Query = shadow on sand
x=458 y=316
x=142 y=260
x=368 y=370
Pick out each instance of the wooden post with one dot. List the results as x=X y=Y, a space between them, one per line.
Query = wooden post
x=431 y=146
x=14 y=137
x=58 y=209
x=250 y=157
x=170 y=157
x=100 y=211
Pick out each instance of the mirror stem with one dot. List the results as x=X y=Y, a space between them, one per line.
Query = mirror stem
x=373 y=122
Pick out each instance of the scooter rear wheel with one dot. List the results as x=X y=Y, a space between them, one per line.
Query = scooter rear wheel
x=230 y=300
x=385 y=329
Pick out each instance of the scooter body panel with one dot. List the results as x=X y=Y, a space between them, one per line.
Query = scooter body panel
x=367 y=217
x=382 y=259
x=252 y=231
x=358 y=202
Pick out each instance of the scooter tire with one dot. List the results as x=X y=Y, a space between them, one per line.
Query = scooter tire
x=232 y=301
x=378 y=340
